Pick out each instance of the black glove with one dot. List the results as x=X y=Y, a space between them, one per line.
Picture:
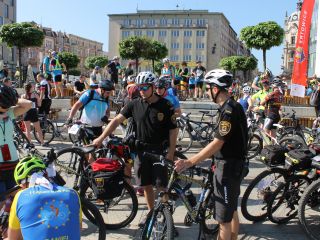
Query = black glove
x=69 y=121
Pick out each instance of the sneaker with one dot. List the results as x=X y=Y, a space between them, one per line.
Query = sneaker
x=45 y=145
x=140 y=191
x=142 y=221
x=57 y=97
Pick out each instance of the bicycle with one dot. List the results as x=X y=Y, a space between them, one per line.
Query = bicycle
x=159 y=222
x=190 y=130
x=20 y=139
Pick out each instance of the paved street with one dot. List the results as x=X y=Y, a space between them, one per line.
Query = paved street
x=248 y=231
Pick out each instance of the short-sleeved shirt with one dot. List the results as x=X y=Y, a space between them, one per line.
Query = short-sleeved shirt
x=46 y=62
x=93 y=110
x=174 y=101
x=199 y=72
x=42 y=213
x=273 y=102
x=192 y=81
x=232 y=129
x=6 y=138
x=56 y=67
x=80 y=86
x=114 y=67
x=260 y=96
x=154 y=120
x=45 y=86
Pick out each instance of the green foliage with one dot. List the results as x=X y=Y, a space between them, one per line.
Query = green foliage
x=155 y=52
x=157 y=68
x=100 y=61
x=69 y=59
x=238 y=63
x=263 y=36
x=21 y=35
x=74 y=72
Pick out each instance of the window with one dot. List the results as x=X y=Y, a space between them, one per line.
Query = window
x=127 y=22
x=150 y=33
x=200 y=45
x=174 y=58
x=187 y=58
x=175 y=45
x=187 y=45
x=293 y=39
x=175 y=21
x=12 y=2
x=199 y=57
x=138 y=33
x=187 y=22
x=162 y=33
x=187 y=33
x=163 y=21
x=139 y=22
x=1 y=20
x=125 y=34
x=151 y=22
x=201 y=22
x=175 y=33
x=200 y=33
x=6 y=11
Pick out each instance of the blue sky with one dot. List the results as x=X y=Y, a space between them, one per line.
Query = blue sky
x=89 y=18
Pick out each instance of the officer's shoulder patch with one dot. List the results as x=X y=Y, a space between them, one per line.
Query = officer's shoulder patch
x=173 y=119
x=224 y=128
x=228 y=110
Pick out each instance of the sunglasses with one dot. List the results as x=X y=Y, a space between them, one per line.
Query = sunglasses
x=144 y=88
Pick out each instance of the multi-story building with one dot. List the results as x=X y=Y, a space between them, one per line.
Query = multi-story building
x=61 y=41
x=189 y=35
x=291 y=26
x=8 y=14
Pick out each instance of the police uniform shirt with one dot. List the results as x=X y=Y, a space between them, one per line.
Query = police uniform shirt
x=232 y=125
x=153 y=120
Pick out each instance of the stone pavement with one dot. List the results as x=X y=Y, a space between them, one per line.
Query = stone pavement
x=248 y=230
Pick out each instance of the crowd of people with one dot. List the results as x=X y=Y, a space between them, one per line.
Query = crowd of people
x=151 y=106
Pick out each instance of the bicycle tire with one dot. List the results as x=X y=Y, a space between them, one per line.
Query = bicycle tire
x=293 y=142
x=209 y=209
x=94 y=216
x=184 y=134
x=48 y=132
x=310 y=198
x=255 y=215
x=290 y=132
x=134 y=203
x=253 y=150
x=168 y=229
x=286 y=194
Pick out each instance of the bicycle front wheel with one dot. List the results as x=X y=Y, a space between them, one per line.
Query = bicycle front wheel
x=257 y=195
x=309 y=210
x=159 y=225
x=48 y=131
x=95 y=227
x=255 y=145
x=184 y=140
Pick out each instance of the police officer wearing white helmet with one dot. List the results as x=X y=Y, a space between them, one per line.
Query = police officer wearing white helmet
x=229 y=148
x=156 y=130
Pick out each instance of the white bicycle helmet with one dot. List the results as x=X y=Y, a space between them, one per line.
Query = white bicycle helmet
x=219 y=77
x=246 y=89
x=145 y=78
x=165 y=60
x=131 y=79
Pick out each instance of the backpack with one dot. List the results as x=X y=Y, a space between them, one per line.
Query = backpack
x=273 y=155
x=89 y=100
x=315 y=98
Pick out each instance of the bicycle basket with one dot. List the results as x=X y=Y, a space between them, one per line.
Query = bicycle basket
x=273 y=155
x=106 y=178
x=298 y=159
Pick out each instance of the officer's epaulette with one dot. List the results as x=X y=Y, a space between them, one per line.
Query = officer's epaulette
x=229 y=107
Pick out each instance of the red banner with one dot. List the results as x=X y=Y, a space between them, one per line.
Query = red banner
x=300 y=67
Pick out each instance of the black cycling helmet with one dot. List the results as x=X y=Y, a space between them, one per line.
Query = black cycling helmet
x=8 y=97
x=162 y=82
x=106 y=85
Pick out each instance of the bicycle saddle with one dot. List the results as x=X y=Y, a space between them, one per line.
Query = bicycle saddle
x=87 y=150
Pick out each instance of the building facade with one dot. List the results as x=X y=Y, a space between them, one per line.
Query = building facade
x=8 y=14
x=190 y=35
x=61 y=41
x=291 y=26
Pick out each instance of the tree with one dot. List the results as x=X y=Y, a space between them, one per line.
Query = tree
x=157 y=68
x=155 y=52
x=100 y=61
x=134 y=48
x=238 y=63
x=21 y=35
x=263 y=36
x=69 y=59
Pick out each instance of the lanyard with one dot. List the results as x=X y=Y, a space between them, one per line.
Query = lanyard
x=3 y=129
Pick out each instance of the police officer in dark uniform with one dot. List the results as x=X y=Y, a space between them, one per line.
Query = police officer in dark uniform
x=156 y=130
x=229 y=148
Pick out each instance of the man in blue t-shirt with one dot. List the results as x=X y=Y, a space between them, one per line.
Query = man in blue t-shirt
x=95 y=107
x=161 y=86
x=46 y=66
